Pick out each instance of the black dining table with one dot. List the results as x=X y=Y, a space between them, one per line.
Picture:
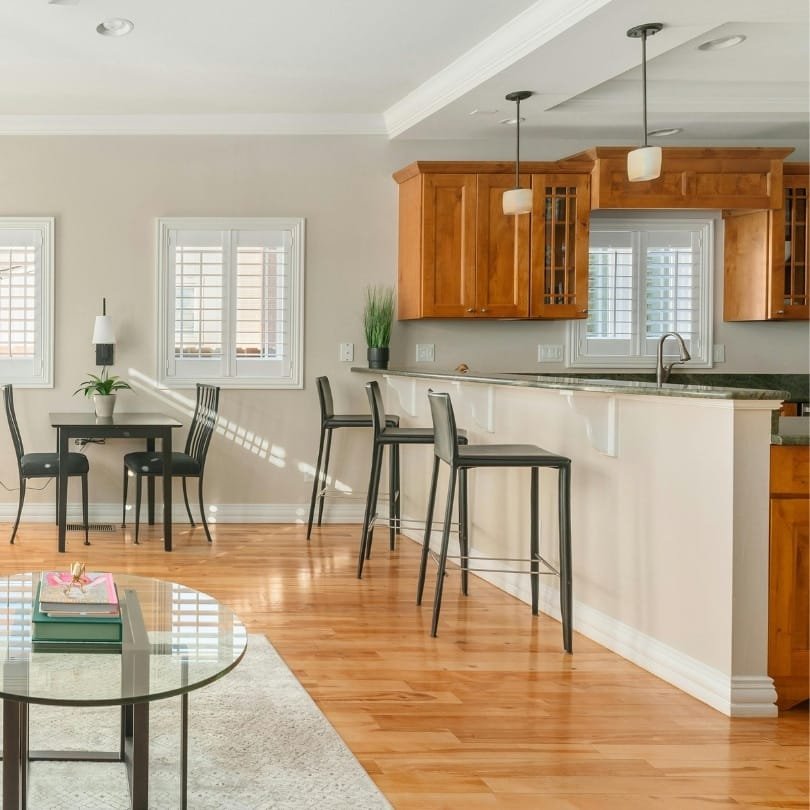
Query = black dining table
x=149 y=426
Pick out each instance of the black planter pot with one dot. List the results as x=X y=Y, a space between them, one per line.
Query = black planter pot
x=378 y=357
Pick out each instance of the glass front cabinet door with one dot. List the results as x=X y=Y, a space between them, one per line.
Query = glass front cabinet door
x=789 y=290
x=559 y=246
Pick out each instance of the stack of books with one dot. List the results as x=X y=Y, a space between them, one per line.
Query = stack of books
x=76 y=616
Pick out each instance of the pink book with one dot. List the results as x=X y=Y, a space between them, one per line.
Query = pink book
x=59 y=591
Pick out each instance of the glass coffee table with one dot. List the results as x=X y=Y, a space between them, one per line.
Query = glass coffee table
x=175 y=640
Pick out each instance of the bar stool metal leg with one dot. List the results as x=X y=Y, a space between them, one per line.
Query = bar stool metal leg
x=393 y=496
x=448 y=517
x=371 y=507
x=463 y=539
x=534 y=541
x=322 y=495
x=316 y=483
x=566 y=596
x=428 y=527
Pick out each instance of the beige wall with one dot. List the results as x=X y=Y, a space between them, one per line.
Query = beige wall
x=106 y=193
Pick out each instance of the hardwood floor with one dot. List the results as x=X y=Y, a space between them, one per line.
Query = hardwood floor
x=490 y=714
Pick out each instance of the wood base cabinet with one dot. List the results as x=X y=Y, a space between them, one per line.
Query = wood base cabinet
x=460 y=256
x=789 y=575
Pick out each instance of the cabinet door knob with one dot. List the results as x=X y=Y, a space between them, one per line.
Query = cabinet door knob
x=780 y=311
x=484 y=309
x=470 y=309
x=584 y=311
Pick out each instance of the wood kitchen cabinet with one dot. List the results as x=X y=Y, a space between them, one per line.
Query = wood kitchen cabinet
x=766 y=256
x=461 y=257
x=789 y=574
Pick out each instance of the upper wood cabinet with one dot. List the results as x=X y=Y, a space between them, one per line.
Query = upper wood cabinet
x=461 y=257
x=766 y=256
x=691 y=177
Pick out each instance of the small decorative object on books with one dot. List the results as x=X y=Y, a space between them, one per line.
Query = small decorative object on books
x=378 y=316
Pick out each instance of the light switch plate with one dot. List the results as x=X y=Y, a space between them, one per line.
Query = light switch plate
x=425 y=352
x=549 y=353
x=346 y=354
x=719 y=353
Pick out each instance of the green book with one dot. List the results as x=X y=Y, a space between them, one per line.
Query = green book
x=74 y=628
x=76 y=647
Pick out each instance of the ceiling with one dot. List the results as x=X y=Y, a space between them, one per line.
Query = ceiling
x=414 y=69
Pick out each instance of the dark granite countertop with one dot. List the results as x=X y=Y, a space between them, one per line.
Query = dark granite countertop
x=592 y=383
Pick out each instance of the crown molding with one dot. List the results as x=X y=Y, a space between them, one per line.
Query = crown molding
x=224 y=124
x=538 y=24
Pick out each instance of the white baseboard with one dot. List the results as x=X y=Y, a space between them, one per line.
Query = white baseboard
x=752 y=696
x=344 y=512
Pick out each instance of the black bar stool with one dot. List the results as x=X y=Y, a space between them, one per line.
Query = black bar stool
x=332 y=421
x=391 y=437
x=447 y=448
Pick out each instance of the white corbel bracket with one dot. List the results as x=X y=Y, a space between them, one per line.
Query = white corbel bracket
x=601 y=419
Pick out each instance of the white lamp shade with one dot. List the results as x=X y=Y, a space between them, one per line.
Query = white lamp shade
x=644 y=163
x=517 y=201
x=103 y=331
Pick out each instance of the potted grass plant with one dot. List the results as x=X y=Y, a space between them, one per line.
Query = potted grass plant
x=102 y=389
x=378 y=315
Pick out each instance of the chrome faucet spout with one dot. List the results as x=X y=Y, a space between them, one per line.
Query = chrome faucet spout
x=662 y=371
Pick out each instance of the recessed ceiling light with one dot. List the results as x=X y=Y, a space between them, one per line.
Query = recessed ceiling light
x=482 y=112
x=663 y=133
x=512 y=121
x=115 y=27
x=722 y=43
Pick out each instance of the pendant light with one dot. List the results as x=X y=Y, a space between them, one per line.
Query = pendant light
x=517 y=200
x=644 y=163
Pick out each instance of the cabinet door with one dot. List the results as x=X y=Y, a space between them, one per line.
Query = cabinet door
x=789 y=600
x=502 y=252
x=448 y=245
x=559 y=246
x=788 y=293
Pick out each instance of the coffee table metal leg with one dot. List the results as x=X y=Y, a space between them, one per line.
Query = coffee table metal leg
x=136 y=753
x=184 y=751
x=14 y=758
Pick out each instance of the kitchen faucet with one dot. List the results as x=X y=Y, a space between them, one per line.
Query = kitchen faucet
x=662 y=371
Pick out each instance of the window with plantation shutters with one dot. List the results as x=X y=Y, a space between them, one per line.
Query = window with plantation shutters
x=231 y=297
x=26 y=311
x=646 y=278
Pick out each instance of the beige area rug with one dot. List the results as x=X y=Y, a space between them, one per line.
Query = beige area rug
x=257 y=741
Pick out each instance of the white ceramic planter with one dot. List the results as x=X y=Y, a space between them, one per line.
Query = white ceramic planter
x=104 y=404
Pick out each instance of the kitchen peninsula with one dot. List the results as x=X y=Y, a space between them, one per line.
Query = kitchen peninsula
x=669 y=514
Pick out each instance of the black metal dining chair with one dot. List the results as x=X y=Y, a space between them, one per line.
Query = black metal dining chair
x=188 y=464
x=42 y=465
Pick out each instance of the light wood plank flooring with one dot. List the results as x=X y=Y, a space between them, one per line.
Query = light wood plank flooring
x=491 y=714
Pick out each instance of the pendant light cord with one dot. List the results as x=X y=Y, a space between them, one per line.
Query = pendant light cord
x=644 y=81
x=517 y=147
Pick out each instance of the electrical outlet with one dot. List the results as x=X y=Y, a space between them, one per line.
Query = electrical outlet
x=719 y=353
x=425 y=352
x=346 y=354
x=549 y=353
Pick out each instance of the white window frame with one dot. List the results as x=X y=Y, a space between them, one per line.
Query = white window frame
x=702 y=355
x=36 y=372
x=166 y=312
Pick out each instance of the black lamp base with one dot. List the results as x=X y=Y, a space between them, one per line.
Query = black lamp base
x=104 y=354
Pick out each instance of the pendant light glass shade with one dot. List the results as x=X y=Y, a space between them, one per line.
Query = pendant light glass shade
x=517 y=200
x=644 y=163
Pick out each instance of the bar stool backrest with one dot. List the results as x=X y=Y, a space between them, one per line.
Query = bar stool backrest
x=325 y=398
x=16 y=437
x=375 y=401
x=203 y=422
x=445 y=435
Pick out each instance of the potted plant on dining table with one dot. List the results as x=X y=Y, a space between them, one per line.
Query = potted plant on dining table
x=102 y=388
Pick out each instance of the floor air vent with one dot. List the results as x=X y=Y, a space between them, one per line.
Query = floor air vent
x=93 y=527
